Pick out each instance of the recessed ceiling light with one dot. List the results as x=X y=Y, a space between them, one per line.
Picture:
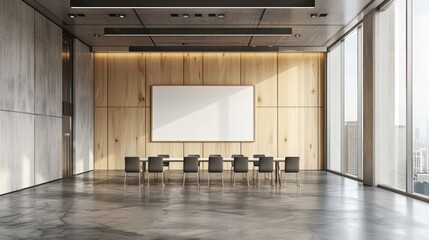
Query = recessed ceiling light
x=198 y=15
x=313 y=15
x=185 y=15
x=72 y=15
x=113 y=15
x=174 y=15
x=96 y=35
x=221 y=15
x=270 y=46
x=253 y=46
x=212 y=14
x=121 y=15
x=323 y=15
x=297 y=35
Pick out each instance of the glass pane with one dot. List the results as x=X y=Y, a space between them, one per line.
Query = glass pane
x=391 y=96
x=334 y=109
x=420 y=96
x=351 y=90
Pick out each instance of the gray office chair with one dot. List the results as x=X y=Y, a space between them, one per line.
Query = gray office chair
x=232 y=163
x=155 y=165
x=215 y=166
x=132 y=165
x=195 y=155
x=266 y=166
x=166 y=164
x=190 y=165
x=292 y=166
x=215 y=155
x=241 y=165
x=256 y=164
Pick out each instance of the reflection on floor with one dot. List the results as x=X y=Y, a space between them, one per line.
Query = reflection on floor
x=96 y=205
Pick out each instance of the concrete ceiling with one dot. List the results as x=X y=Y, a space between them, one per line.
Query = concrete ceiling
x=314 y=32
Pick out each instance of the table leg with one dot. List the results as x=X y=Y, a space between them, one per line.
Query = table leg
x=277 y=172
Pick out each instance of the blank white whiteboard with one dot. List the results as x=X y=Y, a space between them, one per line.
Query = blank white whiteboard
x=202 y=113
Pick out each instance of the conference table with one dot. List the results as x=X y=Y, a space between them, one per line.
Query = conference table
x=276 y=161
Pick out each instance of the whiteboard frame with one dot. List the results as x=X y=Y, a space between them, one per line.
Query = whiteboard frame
x=196 y=85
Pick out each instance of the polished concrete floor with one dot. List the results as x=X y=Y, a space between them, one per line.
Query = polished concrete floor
x=96 y=206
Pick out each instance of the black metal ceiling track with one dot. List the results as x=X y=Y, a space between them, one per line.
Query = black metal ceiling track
x=197 y=32
x=192 y=3
x=203 y=49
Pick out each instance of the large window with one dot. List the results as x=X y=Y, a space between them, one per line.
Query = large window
x=390 y=92
x=344 y=106
x=420 y=99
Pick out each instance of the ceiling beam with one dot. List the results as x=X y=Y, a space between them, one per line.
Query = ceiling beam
x=203 y=49
x=239 y=32
x=192 y=4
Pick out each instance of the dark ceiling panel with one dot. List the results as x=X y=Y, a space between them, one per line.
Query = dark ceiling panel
x=192 y=4
x=86 y=34
x=340 y=12
x=153 y=17
x=61 y=9
x=201 y=41
x=309 y=36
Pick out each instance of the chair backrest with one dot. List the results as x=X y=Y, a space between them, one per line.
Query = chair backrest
x=155 y=164
x=237 y=155
x=215 y=155
x=291 y=164
x=215 y=164
x=266 y=164
x=194 y=155
x=132 y=164
x=190 y=164
x=164 y=155
x=258 y=155
x=241 y=164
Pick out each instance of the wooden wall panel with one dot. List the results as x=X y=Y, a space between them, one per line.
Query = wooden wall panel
x=299 y=135
x=192 y=148
x=125 y=128
x=321 y=79
x=155 y=148
x=16 y=56
x=321 y=129
x=221 y=69
x=126 y=79
x=163 y=69
x=48 y=67
x=100 y=139
x=298 y=116
x=193 y=68
x=100 y=78
x=298 y=79
x=260 y=70
x=265 y=134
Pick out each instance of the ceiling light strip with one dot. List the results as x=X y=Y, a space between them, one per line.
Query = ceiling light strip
x=118 y=4
x=202 y=49
x=185 y=32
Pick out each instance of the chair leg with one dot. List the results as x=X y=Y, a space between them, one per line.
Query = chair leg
x=148 y=179
x=272 y=179
x=259 y=179
x=298 y=177
x=168 y=172
x=162 y=175
x=198 y=179
x=208 y=184
x=233 y=179
x=140 y=181
x=247 y=178
x=222 y=179
x=183 y=178
x=125 y=179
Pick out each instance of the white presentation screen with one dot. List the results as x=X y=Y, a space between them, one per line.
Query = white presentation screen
x=202 y=113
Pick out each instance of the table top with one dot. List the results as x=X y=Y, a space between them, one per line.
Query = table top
x=207 y=159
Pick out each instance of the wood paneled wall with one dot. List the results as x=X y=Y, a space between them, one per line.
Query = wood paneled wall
x=288 y=98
